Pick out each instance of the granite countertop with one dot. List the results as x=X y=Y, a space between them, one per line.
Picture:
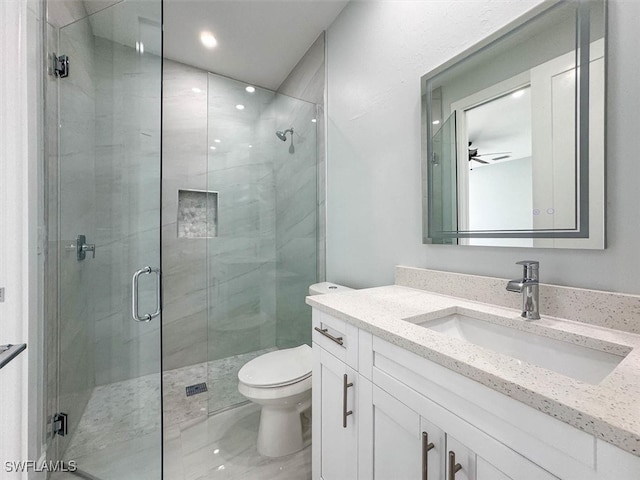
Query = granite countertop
x=610 y=410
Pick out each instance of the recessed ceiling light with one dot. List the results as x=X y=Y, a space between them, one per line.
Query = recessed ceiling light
x=436 y=122
x=250 y=89
x=240 y=107
x=212 y=147
x=313 y=120
x=517 y=94
x=250 y=146
x=217 y=140
x=196 y=90
x=208 y=40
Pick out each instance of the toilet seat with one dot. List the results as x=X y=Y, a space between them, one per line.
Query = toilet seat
x=278 y=369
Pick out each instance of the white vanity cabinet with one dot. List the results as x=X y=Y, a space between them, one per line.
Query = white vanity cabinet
x=398 y=403
x=335 y=393
x=335 y=417
x=405 y=445
x=413 y=443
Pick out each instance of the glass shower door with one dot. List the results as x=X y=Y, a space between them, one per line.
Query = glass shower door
x=109 y=374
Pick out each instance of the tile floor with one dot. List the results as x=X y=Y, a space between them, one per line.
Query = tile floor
x=218 y=447
x=119 y=433
x=223 y=446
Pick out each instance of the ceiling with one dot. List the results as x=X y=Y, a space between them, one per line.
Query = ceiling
x=259 y=41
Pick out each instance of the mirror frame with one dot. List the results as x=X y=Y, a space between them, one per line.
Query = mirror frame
x=582 y=230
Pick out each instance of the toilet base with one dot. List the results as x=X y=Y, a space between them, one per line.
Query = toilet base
x=280 y=431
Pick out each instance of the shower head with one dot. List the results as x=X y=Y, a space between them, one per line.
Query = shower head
x=283 y=135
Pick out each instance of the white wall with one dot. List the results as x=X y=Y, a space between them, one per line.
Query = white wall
x=20 y=143
x=501 y=197
x=377 y=52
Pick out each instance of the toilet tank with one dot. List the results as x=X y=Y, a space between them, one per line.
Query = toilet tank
x=327 y=287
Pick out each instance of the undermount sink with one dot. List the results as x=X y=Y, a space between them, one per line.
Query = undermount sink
x=575 y=361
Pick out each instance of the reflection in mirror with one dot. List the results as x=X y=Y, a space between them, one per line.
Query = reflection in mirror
x=515 y=135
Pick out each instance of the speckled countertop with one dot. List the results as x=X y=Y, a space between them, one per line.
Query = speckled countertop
x=610 y=410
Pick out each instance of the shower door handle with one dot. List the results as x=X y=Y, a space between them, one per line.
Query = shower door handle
x=134 y=295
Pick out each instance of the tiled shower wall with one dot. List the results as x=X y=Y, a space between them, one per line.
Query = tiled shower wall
x=241 y=259
x=307 y=82
x=264 y=257
x=184 y=166
x=241 y=256
x=300 y=199
x=219 y=289
x=127 y=209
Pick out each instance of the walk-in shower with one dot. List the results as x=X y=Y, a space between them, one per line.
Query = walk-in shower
x=201 y=196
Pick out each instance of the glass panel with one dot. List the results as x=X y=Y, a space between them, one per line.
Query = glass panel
x=295 y=169
x=263 y=257
x=109 y=184
x=442 y=181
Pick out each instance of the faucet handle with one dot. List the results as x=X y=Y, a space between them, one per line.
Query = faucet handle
x=531 y=268
x=528 y=263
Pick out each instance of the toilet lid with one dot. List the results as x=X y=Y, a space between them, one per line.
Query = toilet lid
x=274 y=369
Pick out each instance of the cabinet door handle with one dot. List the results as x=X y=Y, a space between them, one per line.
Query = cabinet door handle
x=326 y=333
x=426 y=447
x=345 y=385
x=453 y=466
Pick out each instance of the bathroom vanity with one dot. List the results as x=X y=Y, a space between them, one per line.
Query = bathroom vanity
x=410 y=384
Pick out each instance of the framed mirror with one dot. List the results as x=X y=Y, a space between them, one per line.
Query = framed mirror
x=514 y=134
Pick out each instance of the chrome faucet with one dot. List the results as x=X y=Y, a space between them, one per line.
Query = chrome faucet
x=528 y=286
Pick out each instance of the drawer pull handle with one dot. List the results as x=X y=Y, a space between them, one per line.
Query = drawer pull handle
x=345 y=385
x=453 y=466
x=326 y=333
x=426 y=447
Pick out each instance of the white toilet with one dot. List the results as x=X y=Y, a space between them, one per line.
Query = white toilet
x=280 y=382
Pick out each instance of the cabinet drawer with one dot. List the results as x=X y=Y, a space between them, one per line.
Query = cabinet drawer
x=336 y=336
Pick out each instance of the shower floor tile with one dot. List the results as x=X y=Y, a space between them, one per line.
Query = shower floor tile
x=222 y=382
x=119 y=417
x=119 y=433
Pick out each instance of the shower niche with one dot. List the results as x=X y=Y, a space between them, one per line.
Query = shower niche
x=197 y=214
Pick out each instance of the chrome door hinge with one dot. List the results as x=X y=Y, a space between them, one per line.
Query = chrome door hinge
x=59 y=65
x=60 y=424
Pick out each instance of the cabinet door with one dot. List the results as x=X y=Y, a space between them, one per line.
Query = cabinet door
x=335 y=435
x=459 y=455
x=486 y=471
x=401 y=441
x=435 y=457
x=501 y=463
